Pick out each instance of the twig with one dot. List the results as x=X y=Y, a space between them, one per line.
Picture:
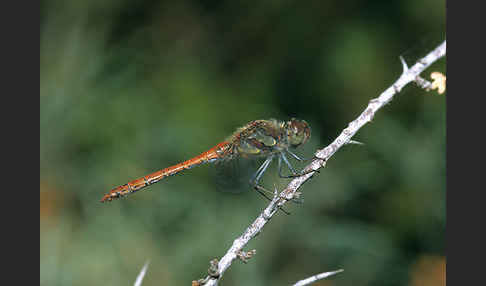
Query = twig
x=138 y=281
x=316 y=277
x=321 y=157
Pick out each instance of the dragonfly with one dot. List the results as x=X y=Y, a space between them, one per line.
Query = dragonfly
x=267 y=139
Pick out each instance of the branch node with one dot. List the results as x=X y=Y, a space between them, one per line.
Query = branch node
x=322 y=162
x=372 y=101
x=244 y=256
x=213 y=270
x=423 y=83
x=396 y=88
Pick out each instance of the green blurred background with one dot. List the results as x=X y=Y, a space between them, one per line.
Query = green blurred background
x=130 y=87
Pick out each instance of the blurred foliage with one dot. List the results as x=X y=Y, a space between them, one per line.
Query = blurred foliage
x=130 y=87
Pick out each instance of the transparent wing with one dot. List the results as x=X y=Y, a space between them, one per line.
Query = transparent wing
x=234 y=176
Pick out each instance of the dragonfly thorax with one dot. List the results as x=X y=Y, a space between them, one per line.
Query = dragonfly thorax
x=266 y=137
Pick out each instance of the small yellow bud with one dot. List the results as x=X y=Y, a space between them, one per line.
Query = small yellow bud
x=439 y=82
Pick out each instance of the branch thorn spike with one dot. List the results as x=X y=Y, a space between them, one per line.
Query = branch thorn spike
x=404 y=64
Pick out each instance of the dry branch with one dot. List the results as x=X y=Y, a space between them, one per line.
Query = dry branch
x=321 y=156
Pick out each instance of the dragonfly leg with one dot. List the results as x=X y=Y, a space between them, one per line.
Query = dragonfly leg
x=293 y=175
x=292 y=170
x=280 y=168
x=297 y=157
x=254 y=182
x=261 y=191
x=295 y=200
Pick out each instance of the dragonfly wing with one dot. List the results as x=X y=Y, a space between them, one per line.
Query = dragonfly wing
x=263 y=138
x=247 y=148
x=233 y=176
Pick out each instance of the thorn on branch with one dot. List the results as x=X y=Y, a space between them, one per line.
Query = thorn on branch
x=316 y=277
x=244 y=256
x=354 y=142
x=404 y=64
x=296 y=197
x=140 y=276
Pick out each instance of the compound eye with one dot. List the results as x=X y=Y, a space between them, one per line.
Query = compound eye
x=299 y=132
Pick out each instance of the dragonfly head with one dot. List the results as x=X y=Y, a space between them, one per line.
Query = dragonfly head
x=298 y=131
